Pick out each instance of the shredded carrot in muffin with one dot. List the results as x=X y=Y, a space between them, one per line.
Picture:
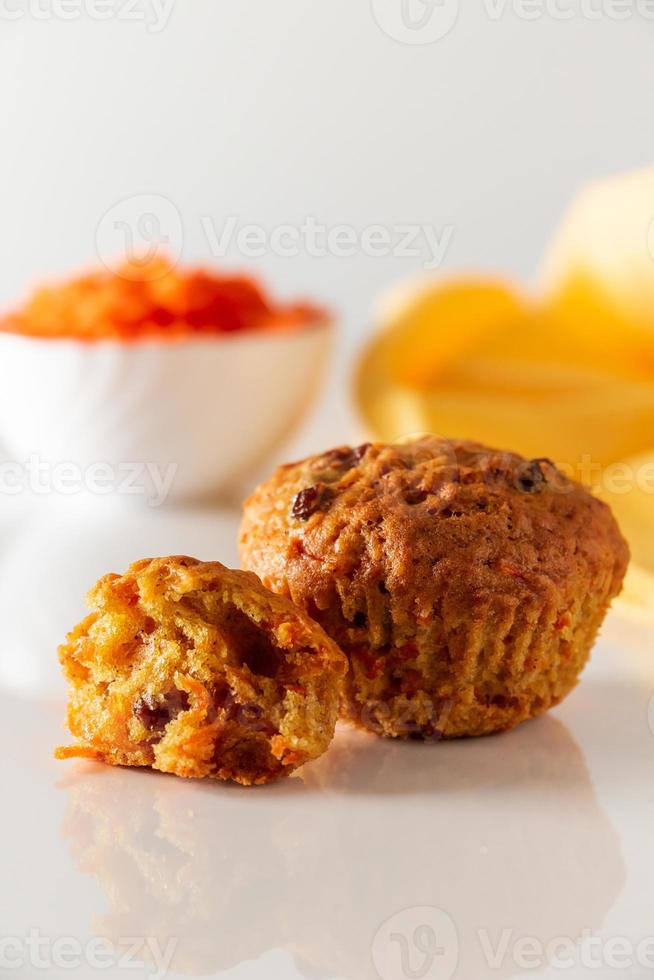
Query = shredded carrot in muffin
x=155 y=301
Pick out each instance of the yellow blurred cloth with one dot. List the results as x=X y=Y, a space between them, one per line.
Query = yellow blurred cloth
x=568 y=374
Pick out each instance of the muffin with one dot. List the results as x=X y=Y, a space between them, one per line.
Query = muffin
x=466 y=585
x=191 y=668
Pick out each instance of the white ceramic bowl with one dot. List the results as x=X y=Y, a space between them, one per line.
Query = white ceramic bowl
x=206 y=410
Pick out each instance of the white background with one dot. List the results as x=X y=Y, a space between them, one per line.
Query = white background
x=274 y=110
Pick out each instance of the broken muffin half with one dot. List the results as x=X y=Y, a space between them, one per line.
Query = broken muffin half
x=191 y=668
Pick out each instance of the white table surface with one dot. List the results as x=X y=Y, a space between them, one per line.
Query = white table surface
x=461 y=860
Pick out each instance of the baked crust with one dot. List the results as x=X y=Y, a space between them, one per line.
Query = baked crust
x=466 y=585
x=193 y=669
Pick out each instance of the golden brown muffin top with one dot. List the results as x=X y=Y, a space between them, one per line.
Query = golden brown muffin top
x=430 y=515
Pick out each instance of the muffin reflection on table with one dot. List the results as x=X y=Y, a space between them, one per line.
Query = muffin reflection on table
x=162 y=366
x=169 y=871
x=415 y=857
x=162 y=852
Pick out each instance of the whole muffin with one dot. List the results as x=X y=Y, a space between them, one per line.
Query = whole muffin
x=194 y=669
x=466 y=585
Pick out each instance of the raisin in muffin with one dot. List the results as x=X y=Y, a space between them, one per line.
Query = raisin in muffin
x=194 y=669
x=466 y=585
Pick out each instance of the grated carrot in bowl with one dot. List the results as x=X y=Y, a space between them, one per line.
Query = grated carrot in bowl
x=155 y=301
